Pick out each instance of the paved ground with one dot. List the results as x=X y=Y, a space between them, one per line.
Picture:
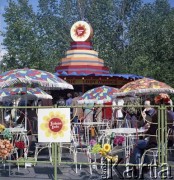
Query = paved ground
x=65 y=172
x=46 y=171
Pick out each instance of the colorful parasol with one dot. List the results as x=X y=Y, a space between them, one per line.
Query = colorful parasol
x=98 y=95
x=7 y=94
x=144 y=86
x=32 y=76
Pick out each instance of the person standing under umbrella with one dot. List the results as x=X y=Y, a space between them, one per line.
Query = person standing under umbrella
x=88 y=112
x=77 y=111
x=69 y=100
x=98 y=113
x=117 y=111
x=61 y=101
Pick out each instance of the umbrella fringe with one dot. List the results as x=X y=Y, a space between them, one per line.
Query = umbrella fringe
x=20 y=92
x=29 y=81
x=144 y=91
x=93 y=101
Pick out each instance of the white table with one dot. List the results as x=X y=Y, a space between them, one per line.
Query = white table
x=16 y=130
x=91 y=123
x=125 y=131
x=128 y=133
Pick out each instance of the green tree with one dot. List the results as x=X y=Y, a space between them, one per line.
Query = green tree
x=110 y=20
x=130 y=36
x=20 y=39
x=52 y=33
x=151 y=46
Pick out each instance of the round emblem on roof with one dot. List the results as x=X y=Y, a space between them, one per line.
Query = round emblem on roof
x=81 y=31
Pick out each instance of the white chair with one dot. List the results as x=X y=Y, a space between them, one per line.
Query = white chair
x=152 y=153
x=20 y=136
x=39 y=147
x=105 y=138
x=80 y=147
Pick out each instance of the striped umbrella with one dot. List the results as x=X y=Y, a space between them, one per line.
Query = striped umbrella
x=98 y=95
x=32 y=76
x=144 y=86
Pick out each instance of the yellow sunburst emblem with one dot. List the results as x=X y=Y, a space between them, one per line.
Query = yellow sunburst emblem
x=54 y=124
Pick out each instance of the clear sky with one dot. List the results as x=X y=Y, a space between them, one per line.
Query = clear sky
x=3 y=3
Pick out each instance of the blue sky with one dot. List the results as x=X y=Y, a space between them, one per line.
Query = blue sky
x=3 y=3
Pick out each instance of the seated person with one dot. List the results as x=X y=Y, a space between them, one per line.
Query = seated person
x=150 y=140
x=148 y=110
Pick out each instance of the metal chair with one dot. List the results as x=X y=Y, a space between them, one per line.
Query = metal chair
x=152 y=153
x=80 y=147
x=39 y=147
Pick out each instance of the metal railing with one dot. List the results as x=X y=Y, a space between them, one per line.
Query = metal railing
x=162 y=140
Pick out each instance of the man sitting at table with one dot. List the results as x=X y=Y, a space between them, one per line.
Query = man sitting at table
x=148 y=110
x=150 y=140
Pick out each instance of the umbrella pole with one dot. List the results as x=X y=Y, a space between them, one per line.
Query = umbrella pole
x=14 y=119
x=16 y=102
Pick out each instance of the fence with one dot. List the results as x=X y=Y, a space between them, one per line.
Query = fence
x=162 y=138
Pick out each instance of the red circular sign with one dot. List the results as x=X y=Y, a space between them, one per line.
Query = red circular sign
x=80 y=31
x=55 y=124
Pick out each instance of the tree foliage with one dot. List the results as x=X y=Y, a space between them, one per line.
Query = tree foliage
x=151 y=41
x=130 y=36
x=20 y=38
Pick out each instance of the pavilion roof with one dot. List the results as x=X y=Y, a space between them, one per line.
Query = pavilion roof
x=126 y=76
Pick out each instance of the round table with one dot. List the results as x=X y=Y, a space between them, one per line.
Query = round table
x=127 y=131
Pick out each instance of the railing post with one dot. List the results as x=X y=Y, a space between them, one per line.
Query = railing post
x=163 y=143
x=159 y=134
x=55 y=161
x=52 y=152
x=59 y=153
x=166 y=134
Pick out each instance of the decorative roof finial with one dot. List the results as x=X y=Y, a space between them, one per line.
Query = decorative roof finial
x=81 y=31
